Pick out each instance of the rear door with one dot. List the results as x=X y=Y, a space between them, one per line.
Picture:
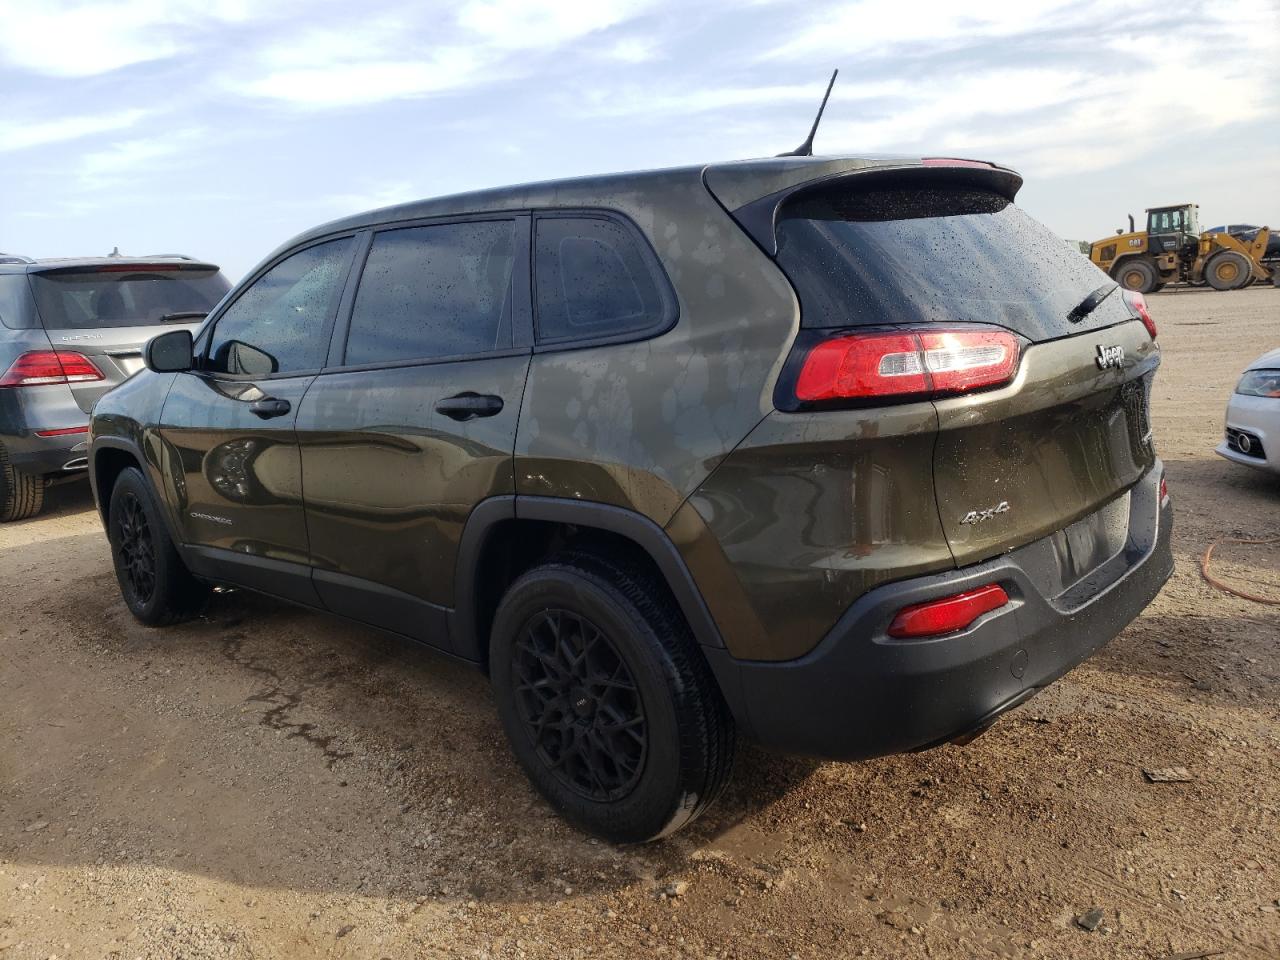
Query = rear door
x=109 y=312
x=228 y=426
x=1071 y=432
x=415 y=422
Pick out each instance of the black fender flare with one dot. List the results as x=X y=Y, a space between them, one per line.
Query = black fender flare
x=130 y=446
x=637 y=528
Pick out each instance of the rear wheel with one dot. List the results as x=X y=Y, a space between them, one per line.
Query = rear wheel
x=156 y=585
x=606 y=700
x=21 y=494
x=1136 y=275
x=1227 y=270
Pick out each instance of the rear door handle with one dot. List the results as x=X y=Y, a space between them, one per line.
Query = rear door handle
x=468 y=405
x=270 y=407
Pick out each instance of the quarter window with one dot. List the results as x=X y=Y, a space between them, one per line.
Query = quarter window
x=593 y=281
x=280 y=323
x=436 y=291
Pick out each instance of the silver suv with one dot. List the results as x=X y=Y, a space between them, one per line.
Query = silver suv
x=70 y=330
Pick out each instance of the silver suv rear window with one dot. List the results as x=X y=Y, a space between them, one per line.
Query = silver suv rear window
x=93 y=299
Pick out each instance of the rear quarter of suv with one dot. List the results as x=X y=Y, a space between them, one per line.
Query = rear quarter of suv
x=70 y=330
x=847 y=455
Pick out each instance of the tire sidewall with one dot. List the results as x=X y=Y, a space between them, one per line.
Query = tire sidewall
x=131 y=483
x=658 y=795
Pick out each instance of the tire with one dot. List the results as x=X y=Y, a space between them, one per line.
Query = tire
x=1157 y=288
x=21 y=494
x=629 y=759
x=1227 y=270
x=156 y=585
x=1134 y=274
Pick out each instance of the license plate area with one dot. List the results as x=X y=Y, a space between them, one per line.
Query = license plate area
x=1091 y=541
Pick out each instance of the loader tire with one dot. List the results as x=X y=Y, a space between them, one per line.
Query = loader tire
x=1227 y=270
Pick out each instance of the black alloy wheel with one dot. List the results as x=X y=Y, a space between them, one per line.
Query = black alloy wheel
x=579 y=705
x=137 y=549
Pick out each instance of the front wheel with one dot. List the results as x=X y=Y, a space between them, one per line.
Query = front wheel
x=1227 y=270
x=156 y=585
x=606 y=699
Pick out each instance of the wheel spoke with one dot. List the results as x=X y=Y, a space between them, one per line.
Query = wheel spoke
x=579 y=704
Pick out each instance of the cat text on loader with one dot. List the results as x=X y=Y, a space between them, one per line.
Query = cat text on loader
x=1173 y=250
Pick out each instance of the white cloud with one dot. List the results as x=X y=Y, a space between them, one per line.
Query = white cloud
x=131 y=159
x=542 y=24
x=59 y=38
x=633 y=50
x=21 y=134
x=413 y=51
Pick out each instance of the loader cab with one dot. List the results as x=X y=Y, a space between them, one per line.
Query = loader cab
x=1173 y=229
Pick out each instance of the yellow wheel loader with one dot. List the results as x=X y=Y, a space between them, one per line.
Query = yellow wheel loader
x=1173 y=250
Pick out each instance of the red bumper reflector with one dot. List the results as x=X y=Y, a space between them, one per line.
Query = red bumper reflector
x=948 y=614
x=64 y=432
x=1164 y=491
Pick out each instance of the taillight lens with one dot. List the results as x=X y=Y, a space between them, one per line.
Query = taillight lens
x=948 y=614
x=898 y=364
x=1164 y=490
x=39 y=367
x=1138 y=307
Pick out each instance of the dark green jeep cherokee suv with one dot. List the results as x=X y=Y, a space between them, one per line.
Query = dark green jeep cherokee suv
x=848 y=455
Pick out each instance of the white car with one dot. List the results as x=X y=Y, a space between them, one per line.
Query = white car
x=1253 y=416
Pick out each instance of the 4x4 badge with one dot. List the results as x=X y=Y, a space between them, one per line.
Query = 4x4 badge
x=977 y=516
x=1112 y=356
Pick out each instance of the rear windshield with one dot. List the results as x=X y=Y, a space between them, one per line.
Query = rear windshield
x=95 y=299
x=934 y=254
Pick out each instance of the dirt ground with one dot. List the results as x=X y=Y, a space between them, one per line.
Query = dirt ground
x=267 y=782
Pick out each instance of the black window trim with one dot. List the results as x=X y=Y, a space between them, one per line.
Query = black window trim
x=205 y=333
x=521 y=302
x=662 y=282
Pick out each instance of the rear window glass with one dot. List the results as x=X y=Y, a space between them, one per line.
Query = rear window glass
x=118 y=298
x=934 y=255
x=436 y=291
x=593 y=281
x=14 y=312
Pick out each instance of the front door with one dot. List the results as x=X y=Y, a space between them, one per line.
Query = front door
x=416 y=424
x=228 y=426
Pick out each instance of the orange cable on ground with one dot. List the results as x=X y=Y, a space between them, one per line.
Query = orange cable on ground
x=1225 y=588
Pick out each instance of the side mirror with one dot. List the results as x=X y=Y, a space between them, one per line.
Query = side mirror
x=170 y=352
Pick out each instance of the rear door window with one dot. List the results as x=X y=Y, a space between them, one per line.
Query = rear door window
x=934 y=254
x=595 y=279
x=120 y=296
x=442 y=290
x=281 y=323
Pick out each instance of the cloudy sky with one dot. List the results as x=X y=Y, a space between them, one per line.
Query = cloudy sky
x=222 y=127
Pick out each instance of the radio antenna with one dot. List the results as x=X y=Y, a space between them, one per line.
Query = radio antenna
x=806 y=149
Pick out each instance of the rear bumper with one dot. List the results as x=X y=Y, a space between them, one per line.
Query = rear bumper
x=861 y=693
x=40 y=456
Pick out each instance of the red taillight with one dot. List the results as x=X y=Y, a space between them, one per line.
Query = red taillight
x=904 y=364
x=948 y=614
x=1138 y=307
x=1164 y=491
x=62 y=432
x=40 y=367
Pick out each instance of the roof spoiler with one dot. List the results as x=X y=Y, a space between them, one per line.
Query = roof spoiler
x=758 y=217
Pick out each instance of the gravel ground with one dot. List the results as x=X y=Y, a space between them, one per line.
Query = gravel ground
x=267 y=782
